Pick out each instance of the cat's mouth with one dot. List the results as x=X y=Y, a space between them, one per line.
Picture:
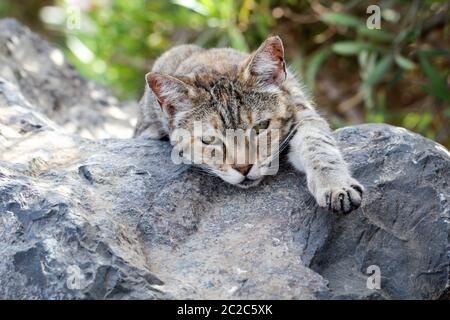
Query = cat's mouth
x=248 y=183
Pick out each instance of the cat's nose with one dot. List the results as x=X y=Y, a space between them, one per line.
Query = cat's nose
x=244 y=169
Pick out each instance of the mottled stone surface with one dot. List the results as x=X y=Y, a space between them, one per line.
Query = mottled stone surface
x=46 y=79
x=115 y=218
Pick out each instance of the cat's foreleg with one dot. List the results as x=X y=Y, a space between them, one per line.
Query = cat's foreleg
x=314 y=151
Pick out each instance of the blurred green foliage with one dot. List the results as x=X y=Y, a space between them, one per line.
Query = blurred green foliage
x=397 y=74
x=126 y=36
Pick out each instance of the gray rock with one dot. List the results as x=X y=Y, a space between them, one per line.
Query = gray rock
x=115 y=218
x=78 y=105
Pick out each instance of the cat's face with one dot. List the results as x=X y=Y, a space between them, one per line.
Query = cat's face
x=234 y=131
x=230 y=124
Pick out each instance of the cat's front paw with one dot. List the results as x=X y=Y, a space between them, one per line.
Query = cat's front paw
x=341 y=197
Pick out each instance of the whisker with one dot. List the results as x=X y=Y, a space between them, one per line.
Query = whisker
x=204 y=170
x=283 y=144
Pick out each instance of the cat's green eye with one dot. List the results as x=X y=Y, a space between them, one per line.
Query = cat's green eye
x=209 y=139
x=263 y=125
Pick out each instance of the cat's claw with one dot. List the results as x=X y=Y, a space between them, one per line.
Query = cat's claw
x=341 y=199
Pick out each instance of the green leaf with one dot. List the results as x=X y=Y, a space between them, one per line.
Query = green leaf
x=379 y=70
x=193 y=5
x=367 y=92
x=237 y=39
x=404 y=63
x=411 y=120
x=381 y=102
x=424 y=122
x=314 y=64
x=375 y=34
x=437 y=86
x=350 y=47
x=341 y=19
x=434 y=52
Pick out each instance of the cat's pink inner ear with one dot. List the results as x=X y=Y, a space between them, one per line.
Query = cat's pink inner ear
x=268 y=62
x=170 y=92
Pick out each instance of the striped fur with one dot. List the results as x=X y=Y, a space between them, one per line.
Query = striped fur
x=224 y=89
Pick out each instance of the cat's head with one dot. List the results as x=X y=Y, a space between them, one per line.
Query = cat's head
x=205 y=111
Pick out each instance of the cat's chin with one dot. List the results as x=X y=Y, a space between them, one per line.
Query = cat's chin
x=247 y=183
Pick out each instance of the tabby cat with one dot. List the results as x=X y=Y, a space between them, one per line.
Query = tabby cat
x=224 y=89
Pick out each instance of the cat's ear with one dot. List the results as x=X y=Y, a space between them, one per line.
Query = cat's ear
x=172 y=93
x=267 y=64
